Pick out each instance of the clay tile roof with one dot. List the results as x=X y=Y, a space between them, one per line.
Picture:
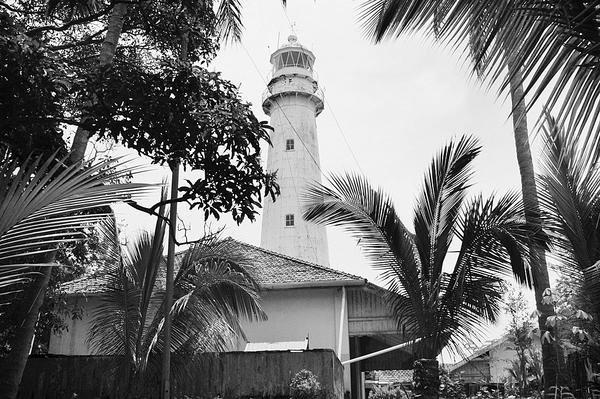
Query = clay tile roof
x=270 y=269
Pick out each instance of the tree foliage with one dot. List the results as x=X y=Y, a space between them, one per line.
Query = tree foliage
x=554 y=44
x=570 y=197
x=522 y=333
x=32 y=92
x=213 y=291
x=190 y=116
x=440 y=300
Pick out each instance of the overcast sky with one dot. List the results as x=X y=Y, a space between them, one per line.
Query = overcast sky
x=396 y=103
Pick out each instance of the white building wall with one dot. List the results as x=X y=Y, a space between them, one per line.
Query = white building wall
x=292 y=315
x=298 y=313
x=73 y=341
x=501 y=358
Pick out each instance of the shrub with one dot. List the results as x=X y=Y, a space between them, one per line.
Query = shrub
x=387 y=392
x=449 y=388
x=305 y=385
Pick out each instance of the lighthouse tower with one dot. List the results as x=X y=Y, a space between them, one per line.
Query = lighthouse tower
x=293 y=101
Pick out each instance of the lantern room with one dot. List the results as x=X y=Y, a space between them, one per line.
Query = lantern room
x=292 y=58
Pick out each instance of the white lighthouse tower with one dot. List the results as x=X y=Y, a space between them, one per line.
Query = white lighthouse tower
x=293 y=101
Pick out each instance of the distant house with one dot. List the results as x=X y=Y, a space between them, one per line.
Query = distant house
x=304 y=303
x=489 y=364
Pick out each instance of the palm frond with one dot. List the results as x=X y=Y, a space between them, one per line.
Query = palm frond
x=213 y=291
x=120 y=321
x=498 y=229
x=444 y=309
x=570 y=198
x=438 y=205
x=495 y=241
x=369 y=216
x=553 y=44
x=229 y=20
x=42 y=205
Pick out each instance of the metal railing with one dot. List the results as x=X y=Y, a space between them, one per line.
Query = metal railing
x=292 y=89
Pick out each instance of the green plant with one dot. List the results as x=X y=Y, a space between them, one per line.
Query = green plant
x=43 y=204
x=212 y=292
x=305 y=385
x=449 y=388
x=438 y=305
x=387 y=392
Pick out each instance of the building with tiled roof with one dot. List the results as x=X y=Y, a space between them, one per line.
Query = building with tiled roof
x=327 y=308
x=271 y=270
x=303 y=300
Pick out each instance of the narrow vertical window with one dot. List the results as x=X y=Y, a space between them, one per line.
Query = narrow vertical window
x=289 y=145
x=289 y=220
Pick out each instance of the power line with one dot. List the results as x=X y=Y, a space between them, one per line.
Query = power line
x=342 y=133
x=292 y=28
x=284 y=9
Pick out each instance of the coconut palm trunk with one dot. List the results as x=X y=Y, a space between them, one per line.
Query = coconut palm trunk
x=13 y=365
x=539 y=267
x=36 y=211
x=107 y=54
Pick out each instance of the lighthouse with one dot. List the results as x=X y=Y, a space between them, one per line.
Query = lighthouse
x=293 y=101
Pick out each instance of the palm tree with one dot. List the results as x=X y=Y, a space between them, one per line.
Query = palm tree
x=491 y=30
x=554 y=44
x=212 y=292
x=570 y=199
x=437 y=295
x=42 y=205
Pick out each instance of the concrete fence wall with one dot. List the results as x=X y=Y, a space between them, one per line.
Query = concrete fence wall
x=229 y=374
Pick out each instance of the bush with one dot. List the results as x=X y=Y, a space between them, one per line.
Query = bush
x=449 y=388
x=387 y=392
x=305 y=385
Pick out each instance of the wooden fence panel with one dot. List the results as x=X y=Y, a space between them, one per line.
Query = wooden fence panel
x=228 y=375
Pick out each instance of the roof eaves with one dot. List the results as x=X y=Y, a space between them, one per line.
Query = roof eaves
x=314 y=284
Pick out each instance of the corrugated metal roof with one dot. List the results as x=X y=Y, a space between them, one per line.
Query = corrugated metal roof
x=276 y=346
x=480 y=351
x=270 y=269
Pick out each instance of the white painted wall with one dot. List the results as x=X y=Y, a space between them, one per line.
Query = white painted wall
x=501 y=358
x=293 y=314
x=74 y=340
x=293 y=116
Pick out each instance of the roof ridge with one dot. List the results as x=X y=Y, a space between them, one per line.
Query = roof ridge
x=271 y=252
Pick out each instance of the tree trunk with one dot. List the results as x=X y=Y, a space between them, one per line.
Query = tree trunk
x=539 y=267
x=107 y=54
x=13 y=365
x=523 y=366
x=426 y=379
x=166 y=365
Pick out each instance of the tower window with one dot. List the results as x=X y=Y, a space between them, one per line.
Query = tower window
x=289 y=220
x=289 y=145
